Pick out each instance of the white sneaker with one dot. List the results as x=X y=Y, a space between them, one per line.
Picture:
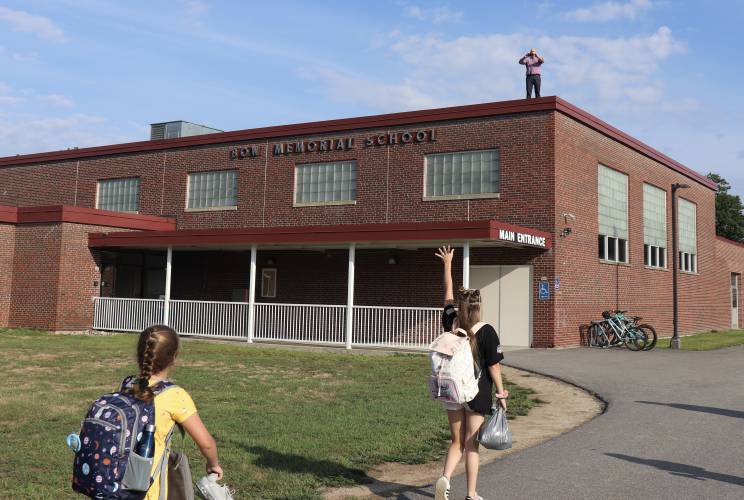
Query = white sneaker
x=442 y=489
x=210 y=489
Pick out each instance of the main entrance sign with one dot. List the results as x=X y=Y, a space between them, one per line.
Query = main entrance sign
x=523 y=238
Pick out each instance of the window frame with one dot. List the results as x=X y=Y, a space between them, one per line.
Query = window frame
x=618 y=242
x=471 y=196
x=688 y=263
x=299 y=204
x=98 y=193
x=617 y=245
x=214 y=208
x=660 y=253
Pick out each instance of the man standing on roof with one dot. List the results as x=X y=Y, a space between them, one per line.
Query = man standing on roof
x=533 y=62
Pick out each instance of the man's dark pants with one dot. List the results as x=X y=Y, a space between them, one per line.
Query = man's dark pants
x=533 y=81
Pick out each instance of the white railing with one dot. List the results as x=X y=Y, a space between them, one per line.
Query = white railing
x=372 y=326
x=127 y=315
x=213 y=319
x=409 y=327
x=307 y=323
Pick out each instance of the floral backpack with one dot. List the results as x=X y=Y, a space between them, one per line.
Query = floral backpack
x=106 y=465
x=455 y=375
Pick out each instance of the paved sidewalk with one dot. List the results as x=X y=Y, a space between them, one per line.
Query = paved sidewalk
x=674 y=429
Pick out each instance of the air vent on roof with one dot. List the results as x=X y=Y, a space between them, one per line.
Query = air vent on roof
x=157 y=131
x=180 y=128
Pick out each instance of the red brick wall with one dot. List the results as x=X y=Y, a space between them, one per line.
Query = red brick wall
x=731 y=260
x=589 y=286
x=390 y=178
x=54 y=277
x=79 y=278
x=7 y=249
x=36 y=276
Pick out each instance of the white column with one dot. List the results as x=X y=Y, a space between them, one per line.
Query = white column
x=252 y=294
x=350 y=296
x=466 y=264
x=168 y=267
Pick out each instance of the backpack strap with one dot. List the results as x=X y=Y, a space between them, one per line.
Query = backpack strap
x=162 y=467
x=162 y=386
x=478 y=326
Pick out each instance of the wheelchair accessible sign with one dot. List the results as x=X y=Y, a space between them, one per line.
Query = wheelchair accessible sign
x=543 y=290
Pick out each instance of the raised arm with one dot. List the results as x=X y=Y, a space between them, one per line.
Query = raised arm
x=446 y=254
x=523 y=60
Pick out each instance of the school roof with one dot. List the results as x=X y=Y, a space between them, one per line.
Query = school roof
x=551 y=103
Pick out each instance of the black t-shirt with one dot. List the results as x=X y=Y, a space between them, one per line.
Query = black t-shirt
x=489 y=352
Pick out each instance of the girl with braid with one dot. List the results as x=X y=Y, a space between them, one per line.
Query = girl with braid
x=156 y=354
x=465 y=420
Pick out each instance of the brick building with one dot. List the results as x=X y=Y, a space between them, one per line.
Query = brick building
x=315 y=231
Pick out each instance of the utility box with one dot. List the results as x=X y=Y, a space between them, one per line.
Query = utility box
x=179 y=128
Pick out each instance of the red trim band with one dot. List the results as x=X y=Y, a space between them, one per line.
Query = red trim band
x=484 y=230
x=8 y=214
x=88 y=216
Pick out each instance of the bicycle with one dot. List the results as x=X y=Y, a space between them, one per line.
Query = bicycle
x=648 y=330
x=616 y=329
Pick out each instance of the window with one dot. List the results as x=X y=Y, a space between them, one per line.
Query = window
x=212 y=190
x=469 y=174
x=326 y=183
x=613 y=215
x=268 y=283
x=687 y=237
x=119 y=195
x=654 y=226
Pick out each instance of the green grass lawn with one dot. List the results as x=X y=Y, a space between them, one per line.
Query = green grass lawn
x=707 y=341
x=287 y=422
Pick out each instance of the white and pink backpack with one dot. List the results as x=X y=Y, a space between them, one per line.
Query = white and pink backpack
x=455 y=374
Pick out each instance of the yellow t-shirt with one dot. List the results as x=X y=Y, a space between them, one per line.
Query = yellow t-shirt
x=171 y=406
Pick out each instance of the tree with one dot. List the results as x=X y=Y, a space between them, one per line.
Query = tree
x=729 y=211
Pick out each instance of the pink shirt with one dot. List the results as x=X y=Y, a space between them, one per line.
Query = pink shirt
x=533 y=64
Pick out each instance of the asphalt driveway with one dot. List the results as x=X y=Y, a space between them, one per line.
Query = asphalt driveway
x=673 y=429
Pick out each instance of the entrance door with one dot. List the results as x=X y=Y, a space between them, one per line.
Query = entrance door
x=507 y=301
x=734 y=300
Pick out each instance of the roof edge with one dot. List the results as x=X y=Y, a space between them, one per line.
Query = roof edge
x=87 y=216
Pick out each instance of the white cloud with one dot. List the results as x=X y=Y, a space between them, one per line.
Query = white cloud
x=610 y=11
x=344 y=86
x=20 y=134
x=606 y=72
x=39 y=25
x=6 y=97
x=436 y=15
x=57 y=100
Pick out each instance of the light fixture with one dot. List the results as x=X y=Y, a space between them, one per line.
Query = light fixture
x=392 y=261
x=269 y=261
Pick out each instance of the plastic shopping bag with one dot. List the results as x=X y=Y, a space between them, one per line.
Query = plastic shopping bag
x=495 y=433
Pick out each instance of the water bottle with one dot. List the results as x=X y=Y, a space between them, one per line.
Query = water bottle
x=73 y=442
x=146 y=445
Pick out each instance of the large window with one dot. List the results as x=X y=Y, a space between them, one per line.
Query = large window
x=654 y=226
x=119 y=195
x=213 y=190
x=687 y=236
x=326 y=183
x=613 y=214
x=469 y=174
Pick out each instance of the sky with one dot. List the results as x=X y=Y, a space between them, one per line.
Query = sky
x=93 y=72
